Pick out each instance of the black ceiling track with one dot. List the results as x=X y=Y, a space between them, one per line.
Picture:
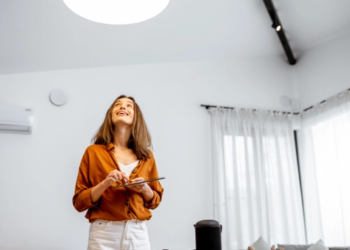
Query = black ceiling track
x=276 y=24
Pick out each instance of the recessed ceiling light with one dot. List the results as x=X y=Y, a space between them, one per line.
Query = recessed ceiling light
x=117 y=11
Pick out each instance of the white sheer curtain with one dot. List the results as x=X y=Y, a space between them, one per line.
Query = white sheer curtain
x=324 y=143
x=256 y=182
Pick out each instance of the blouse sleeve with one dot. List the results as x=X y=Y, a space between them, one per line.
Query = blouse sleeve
x=155 y=186
x=82 y=196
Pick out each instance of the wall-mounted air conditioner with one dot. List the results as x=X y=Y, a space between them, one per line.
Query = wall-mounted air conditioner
x=16 y=120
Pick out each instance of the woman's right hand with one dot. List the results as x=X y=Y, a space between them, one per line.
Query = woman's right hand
x=115 y=176
x=112 y=177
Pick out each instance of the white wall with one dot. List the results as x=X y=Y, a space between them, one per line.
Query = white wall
x=38 y=171
x=323 y=71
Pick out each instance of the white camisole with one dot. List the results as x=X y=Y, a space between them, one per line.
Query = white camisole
x=128 y=169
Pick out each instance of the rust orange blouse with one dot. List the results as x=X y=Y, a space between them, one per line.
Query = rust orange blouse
x=115 y=204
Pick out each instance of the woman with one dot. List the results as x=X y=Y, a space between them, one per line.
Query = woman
x=120 y=154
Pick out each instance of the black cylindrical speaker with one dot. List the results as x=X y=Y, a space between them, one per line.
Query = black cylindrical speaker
x=208 y=235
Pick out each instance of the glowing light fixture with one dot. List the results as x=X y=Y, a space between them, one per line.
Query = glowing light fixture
x=276 y=26
x=117 y=11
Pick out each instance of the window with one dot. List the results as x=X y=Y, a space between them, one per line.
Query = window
x=331 y=140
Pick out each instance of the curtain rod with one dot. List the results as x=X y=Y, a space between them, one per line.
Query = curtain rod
x=274 y=111
x=284 y=112
x=324 y=100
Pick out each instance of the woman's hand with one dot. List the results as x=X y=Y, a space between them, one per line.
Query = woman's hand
x=115 y=176
x=112 y=177
x=139 y=188
x=142 y=188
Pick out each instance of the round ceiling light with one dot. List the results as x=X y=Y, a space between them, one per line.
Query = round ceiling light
x=58 y=97
x=117 y=11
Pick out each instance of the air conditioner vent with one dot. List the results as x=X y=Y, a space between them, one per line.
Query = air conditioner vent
x=16 y=120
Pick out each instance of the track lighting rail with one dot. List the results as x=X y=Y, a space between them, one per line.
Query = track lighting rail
x=276 y=24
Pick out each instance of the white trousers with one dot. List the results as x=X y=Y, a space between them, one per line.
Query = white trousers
x=118 y=235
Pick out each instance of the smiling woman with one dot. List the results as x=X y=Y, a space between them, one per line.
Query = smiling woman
x=120 y=154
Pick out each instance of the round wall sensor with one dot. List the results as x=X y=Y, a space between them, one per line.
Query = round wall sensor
x=58 y=97
x=286 y=101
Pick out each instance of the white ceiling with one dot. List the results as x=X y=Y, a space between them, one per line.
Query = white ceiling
x=40 y=35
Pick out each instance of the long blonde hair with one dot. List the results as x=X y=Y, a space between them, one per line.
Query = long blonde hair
x=140 y=138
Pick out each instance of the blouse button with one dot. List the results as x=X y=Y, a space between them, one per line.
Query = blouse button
x=134 y=171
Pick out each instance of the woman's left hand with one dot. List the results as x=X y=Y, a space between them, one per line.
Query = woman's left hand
x=139 y=188
x=142 y=188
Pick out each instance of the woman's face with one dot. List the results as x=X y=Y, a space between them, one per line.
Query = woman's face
x=123 y=112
